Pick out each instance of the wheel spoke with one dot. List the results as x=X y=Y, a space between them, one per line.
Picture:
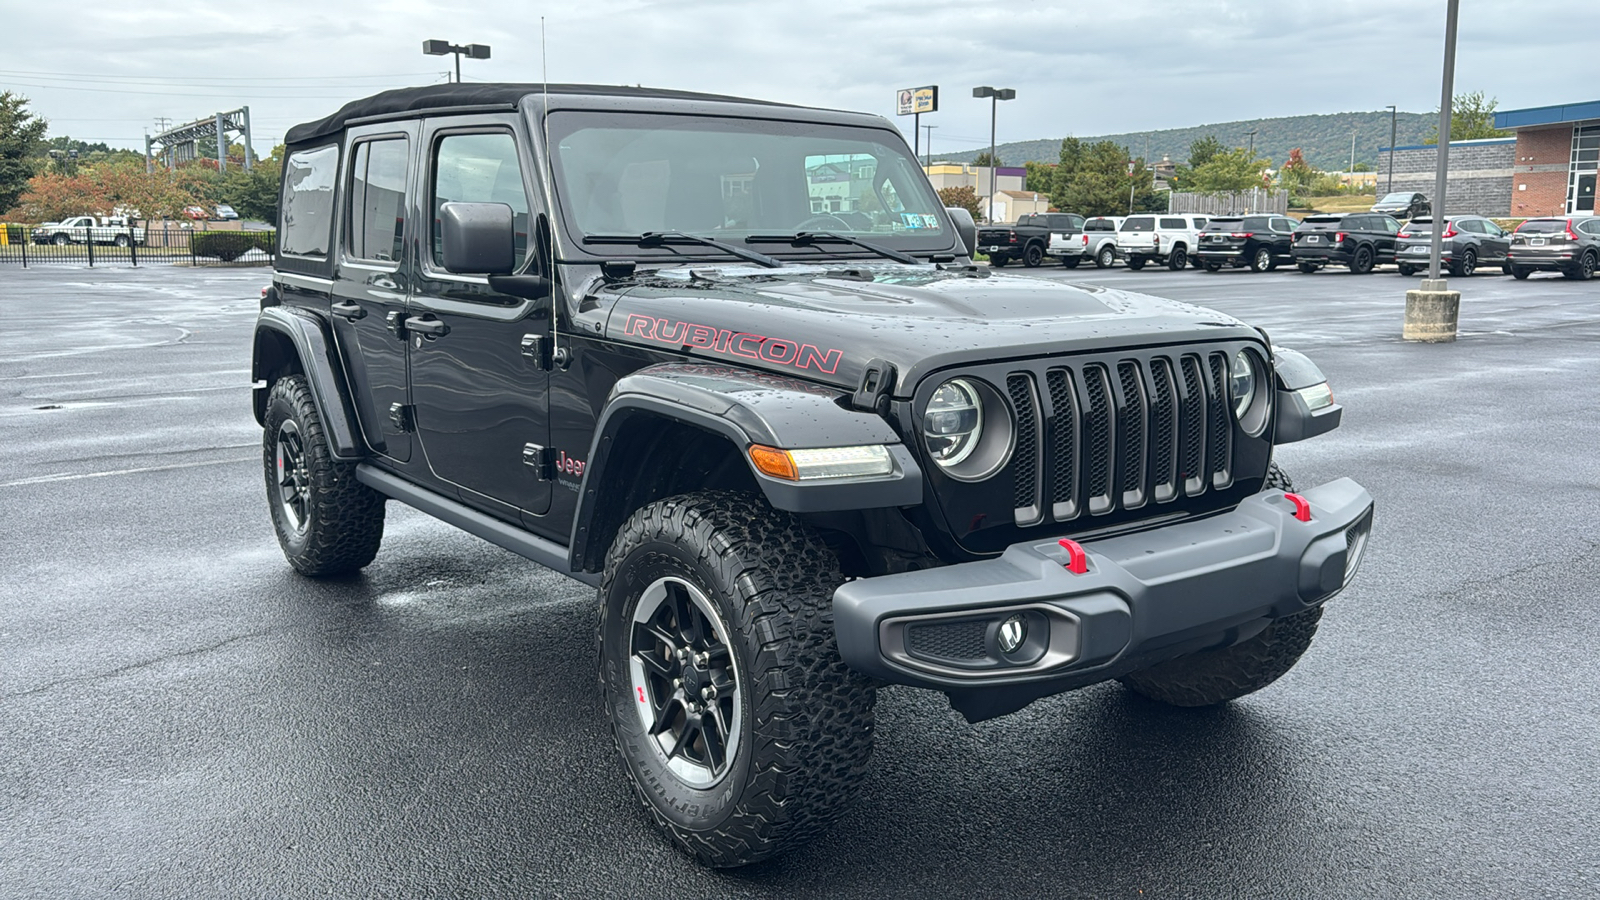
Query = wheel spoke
x=664 y=721
x=716 y=746
x=690 y=727
x=652 y=661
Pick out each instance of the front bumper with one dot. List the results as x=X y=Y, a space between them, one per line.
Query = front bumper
x=1145 y=598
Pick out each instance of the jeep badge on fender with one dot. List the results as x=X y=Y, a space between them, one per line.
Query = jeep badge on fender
x=730 y=363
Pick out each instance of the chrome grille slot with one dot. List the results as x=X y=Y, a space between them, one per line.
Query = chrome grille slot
x=1131 y=414
x=1064 y=417
x=1028 y=457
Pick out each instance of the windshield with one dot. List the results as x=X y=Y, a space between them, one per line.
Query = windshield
x=728 y=179
x=1396 y=198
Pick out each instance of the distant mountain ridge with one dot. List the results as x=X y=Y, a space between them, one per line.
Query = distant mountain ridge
x=1324 y=139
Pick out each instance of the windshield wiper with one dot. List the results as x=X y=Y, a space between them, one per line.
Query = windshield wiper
x=812 y=238
x=667 y=238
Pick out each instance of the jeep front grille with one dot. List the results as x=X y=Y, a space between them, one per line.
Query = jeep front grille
x=1103 y=436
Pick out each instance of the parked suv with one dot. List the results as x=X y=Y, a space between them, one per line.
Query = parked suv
x=798 y=454
x=1260 y=242
x=1097 y=241
x=1569 y=245
x=1028 y=239
x=1467 y=243
x=1358 y=241
x=1166 y=239
x=1403 y=205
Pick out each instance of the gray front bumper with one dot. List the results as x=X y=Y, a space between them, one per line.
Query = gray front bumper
x=1146 y=597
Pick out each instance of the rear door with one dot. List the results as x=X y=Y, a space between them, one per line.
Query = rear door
x=478 y=386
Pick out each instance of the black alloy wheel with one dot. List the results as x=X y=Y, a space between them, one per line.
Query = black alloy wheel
x=1105 y=256
x=1261 y=260
x=1361 y=263
x=1584 y=270
x=1033 y=256
x=1466 y=265
x=1178 y=260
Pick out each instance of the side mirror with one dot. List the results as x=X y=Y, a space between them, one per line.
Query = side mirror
x=477 y=238
x=965 y=228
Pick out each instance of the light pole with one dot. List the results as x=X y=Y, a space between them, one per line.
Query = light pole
x=1252 y=133
x=1392 y=114
x=995 y=95
x=445 y=48
x=1352 y=159
x=927 y=147
x=1433 y=310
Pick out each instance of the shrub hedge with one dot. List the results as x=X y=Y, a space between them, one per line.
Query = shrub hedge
x=230 y=245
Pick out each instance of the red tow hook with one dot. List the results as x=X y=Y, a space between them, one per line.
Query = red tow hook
x=1302 y=509
x=1077 y=560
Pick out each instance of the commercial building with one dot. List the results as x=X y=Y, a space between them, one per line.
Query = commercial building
x=1557 y=149
x=1011 y=202
x=1479 y=180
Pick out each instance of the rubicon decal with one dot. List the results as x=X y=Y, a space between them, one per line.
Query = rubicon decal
x=734 y=343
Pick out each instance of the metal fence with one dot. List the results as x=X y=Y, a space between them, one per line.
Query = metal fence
x=136 y=246
x=1230 y=203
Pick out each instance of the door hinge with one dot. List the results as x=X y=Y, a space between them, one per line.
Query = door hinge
x=541 y=459
x=536 y=348
x=400 y=415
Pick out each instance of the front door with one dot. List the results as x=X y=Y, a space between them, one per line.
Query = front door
x=370 y=284
x=480 y=398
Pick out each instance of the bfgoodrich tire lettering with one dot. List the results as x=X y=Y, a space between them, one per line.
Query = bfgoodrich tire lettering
x=327 y=522
x=806 y=718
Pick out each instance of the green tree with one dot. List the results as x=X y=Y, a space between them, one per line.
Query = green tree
x=254 y=194
x=20 y=133
x=1067 y=164
x=1471 y=118
x=1231 y=170
x=1201 y=152
x=1101 y=186
x=963 y=197
x=983 y=162
x=1041 y=177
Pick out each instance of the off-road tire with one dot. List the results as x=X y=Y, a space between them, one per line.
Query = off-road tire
x=1217 y=676
x=1178 y=259
x=1033 y=256
x=1584 y=270
x=806 y=734
x=1362 y=262
x=1309 y=268
x=1105 y=257
x=1261 y=260
x=1466 y=265
x=1135 y=263
x=1407 y=271
x=343 y=523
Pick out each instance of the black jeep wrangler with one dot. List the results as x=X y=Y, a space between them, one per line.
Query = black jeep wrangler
x=730 y=363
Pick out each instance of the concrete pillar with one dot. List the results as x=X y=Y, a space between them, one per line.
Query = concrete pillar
x=1432 y=312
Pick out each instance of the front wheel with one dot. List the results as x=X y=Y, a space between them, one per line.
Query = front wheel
x=1136 y=263
x=1033 y=256
x=122 y=240
x=61 y=240
x=327 y=522
x=1178 y=260
x=741 y=728
x=1261 y=260
x=1104 y=257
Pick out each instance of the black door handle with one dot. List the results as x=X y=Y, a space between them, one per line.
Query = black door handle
x=349 y=310
x=428 y=327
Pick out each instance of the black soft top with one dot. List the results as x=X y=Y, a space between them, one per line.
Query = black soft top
x=477 y=97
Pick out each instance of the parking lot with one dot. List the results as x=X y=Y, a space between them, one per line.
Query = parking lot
x=181 y=715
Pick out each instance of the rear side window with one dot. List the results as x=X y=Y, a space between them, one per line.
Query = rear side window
x=1172 y=223
x=307 y=214
x=1139 y=223
x=1099 y=225
x=378 y=199
x=1199 y=221
x=1283 y=224
x=1257 y=223
x=479 y=168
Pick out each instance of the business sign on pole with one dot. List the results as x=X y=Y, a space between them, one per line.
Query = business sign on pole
x=909 y=101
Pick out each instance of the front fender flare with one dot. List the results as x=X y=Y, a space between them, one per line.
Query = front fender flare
x=315 y=355
x=746 y=408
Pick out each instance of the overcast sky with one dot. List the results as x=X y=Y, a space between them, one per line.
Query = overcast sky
x=103 y=71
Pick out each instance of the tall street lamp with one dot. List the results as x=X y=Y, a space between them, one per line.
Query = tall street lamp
x=1433 y=310
x=445 y=48
x=1392 y=114
x=1252 y=133
x=995 y=95
x=927 y=146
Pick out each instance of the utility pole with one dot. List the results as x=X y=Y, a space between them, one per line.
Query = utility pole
x=1392 y=114
x=927 y=161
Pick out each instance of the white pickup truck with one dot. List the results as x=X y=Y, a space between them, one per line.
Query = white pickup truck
x=83 y=229
x=1097 y=241
x=1170 y=238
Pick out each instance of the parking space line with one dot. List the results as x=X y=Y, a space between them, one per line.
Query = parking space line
x=70 y=476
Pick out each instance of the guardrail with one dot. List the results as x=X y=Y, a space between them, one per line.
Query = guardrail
x=136 y=246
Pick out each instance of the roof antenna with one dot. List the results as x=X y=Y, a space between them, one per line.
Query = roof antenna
x=556 y=355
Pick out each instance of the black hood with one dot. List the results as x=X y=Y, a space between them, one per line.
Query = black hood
x=827 y=322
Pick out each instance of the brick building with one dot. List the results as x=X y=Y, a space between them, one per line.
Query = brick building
x=1558 y=148
x=1480 y=180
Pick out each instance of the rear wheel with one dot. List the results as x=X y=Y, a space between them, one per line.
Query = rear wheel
x=122 y=240
x=1104 y=257
x=1033 y=256
x=1261 y=260
x=61 y=240
x=1361 y=263
x=1309 y=268
x=1466 y=265
x=1584 y=270
x=1136 y=263
x=742 y=729
x=1178 y=259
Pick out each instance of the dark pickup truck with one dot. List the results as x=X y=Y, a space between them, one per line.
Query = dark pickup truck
x=1028 y=239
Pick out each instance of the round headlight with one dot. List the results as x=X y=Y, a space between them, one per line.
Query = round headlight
x=953 y=424
x=1242 y=384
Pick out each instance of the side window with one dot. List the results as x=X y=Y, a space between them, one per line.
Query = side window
x=307 y=208
x=1199 y=222
x=1390 y=225
x=1172 y=223
x=479 y=168
x=377 y=222
x=1282 y=224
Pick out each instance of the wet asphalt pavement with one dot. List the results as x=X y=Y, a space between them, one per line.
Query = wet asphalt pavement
x=182 y=716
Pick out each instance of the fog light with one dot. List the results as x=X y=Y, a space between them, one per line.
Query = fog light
x=1012 y=634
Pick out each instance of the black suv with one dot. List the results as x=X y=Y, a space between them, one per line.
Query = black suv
x=728 y=362
x=1569 y=245
x=1467 y=242
x=1260 y=242
x=1403 y=205
x=1358 y=241
x=1028 y=239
